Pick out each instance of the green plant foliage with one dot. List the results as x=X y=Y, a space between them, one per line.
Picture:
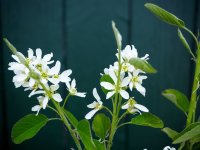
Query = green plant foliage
x=101 y=125
x=99 y=146
x=164 y=15
x=85 y=134
x=142 y=65
x=170 y=133
x=192 y=131
x=148 y=119
x=27 y=127
x=71 y=118
x=178 y=98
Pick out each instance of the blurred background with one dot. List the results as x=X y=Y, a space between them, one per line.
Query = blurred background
x=79 y=34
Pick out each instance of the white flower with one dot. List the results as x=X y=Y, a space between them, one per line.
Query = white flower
x=113 y=87
x=136 y=81
x=125 y=67
x=72 y=89
x=133 y=107
x=95 y=106
x=131 y=52
x=56 y=77
x=42 y=60
x=169 y=148
x=43 y=101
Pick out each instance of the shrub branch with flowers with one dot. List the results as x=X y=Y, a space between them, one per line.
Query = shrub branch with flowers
x=36 y=75
x=117 y=83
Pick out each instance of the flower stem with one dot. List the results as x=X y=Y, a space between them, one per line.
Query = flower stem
x=65 y=101
x=62 y=116
x=193 y=99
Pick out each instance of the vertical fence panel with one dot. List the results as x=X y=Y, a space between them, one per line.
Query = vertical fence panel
x=172 y=62
x=31 y=24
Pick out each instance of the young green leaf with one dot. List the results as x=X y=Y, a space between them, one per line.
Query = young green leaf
x=192 y=131
x=118 y=36
x=178 y=98
x=101 y=125
x=85 y=134
x=27 y=127
x=147 y=119
x=142 y=65
x=71 y=118
x=99 y=146
x=165 y=15
x=184 y=42
x=170 y=133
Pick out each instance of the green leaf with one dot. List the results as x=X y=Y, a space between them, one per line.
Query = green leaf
x=147 y=119
x=118 y=36
x=185 y=43
x=101 y=125
x=142 y=65
x=99 y=146
x=71 y=118
x=170 y=133
x=84 y=131
x=178 y=98
x=27 y=127
x=106 y=78
x=192 y=131
x=165 y=15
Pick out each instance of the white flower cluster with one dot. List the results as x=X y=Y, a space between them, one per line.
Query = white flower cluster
x=130 y=77
x=50 y=77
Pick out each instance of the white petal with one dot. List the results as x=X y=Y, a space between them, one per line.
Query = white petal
x=131 y=86
x=126 y=106
x=36 y=108
x=141 y=107
x=125 y=82
x=73 y=84
x=34 y=92
x=107 y=85
x=113 y=76
x=124 y=94
x=54 y=87
x=134 y=110
x=31 y=82
x=91 y=114
x=110 y=94
x=39 y=53
x=48 y=57
x=140 y=88
x=64 y=76
x=54 y=80
x=56 y=69
x=15 y=58
x=68 y=85
x=45 y=102
x=92 y=105
x=57 y=97
x=80 y=94
x=146 y=57
x=96 y=95
x=19 y=77
x=30 y=53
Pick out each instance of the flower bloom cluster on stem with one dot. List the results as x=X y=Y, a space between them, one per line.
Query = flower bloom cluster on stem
x=35 y=70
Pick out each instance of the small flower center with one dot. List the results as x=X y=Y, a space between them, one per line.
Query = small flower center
x=39 y=67
x=56 y=76
x=135 y=79
x=73 y=91
x=98 y=106
x=125 y=67
x=44 y=75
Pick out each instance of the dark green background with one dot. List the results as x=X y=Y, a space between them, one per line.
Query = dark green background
x=79 y=33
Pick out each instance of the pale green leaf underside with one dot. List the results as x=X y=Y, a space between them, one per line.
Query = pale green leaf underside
x=178 y=98
x=170 y=132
